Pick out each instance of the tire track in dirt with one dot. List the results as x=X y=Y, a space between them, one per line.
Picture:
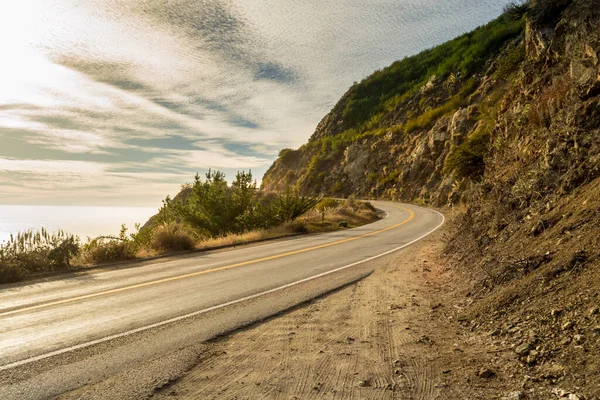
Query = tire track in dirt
x=366 y=341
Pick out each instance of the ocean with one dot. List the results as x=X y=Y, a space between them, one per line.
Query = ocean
x=83 y=221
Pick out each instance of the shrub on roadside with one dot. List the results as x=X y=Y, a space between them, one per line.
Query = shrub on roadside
x=368 y=206
x=172 y=236
x=467 y=159
x=103 y=250
x=327 y=203
x=298 y=226
x=10 y=272
x=36 y=251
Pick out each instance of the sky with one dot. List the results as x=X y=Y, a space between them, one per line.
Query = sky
x=119 y=102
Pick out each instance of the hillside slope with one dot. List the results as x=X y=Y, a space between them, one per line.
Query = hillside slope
x=390 y=135
x=515 y=146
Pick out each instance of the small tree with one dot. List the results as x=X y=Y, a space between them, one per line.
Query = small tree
x=290 y=205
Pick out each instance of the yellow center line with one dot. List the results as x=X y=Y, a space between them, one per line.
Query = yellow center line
x=179 y=277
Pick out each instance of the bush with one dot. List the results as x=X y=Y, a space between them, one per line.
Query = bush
x=106 y=250
x=173 y=236
x=343 y=224
x=428 y=118
x=289 y=156
x=326 y=204
x=367 y=205
x=509 y=63
x=467 y=159
x=298 y=227
x=38 y=251
x=515 y=11
x=289 y=206
x=10 y=273
x=544 y=12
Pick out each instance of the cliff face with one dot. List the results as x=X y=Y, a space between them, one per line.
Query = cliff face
x=440 y=134
x=391 y=135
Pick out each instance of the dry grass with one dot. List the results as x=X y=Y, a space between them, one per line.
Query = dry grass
x=252 y=236
x=311 y=222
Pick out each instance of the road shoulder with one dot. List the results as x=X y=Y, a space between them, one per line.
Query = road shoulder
x=387 y=336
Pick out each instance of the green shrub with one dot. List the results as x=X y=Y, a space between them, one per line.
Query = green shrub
x=428 y=118
x=298 y=226
x=510 y=62
x=289 y=156
x=61 y=254
x=10 y=272
x=351 y=202
x=392 y=177
x=468 y=88
x=173 y=236
x=543 y=12
x=106 y=250
x=36 y=251
x=327 y=203
x=367 y=205
x=467 y=159
x=289 y=206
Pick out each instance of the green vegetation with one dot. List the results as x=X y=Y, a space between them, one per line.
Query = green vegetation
x=327 y=203
x=510 y=62
x=409 y=96
x=213 y=208
x=428 y=118
x=30 y=252
x=207 y=213
x=467 y=159
x=461 y=57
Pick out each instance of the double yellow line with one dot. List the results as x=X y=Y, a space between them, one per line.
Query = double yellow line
x=190 y=275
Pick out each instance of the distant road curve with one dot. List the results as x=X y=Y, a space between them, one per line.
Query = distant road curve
x=61 y=334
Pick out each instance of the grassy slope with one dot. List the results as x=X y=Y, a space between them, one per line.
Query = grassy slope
x=393 y=101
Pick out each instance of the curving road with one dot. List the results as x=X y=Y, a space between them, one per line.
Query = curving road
x=59 y=335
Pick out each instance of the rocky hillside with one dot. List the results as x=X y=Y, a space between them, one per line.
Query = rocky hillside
x=422 y=129
x=402 y=132
x=504 y=123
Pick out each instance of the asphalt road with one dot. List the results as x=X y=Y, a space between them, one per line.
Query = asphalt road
x=145 y=322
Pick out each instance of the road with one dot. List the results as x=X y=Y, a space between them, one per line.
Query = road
x=145 y=322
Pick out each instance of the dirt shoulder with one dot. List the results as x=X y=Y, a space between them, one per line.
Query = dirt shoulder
x=407 y=331
x=391 y=335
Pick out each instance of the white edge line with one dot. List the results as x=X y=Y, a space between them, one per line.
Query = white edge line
x=206 y=310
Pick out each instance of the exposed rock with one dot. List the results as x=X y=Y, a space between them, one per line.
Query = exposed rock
x=486 y=373
x=439 y=136
x=567 y=325
x=364 y=383
x=523 y=349
x=459 y=126
x=517 y=395
x=537 y=41
x=579 y=339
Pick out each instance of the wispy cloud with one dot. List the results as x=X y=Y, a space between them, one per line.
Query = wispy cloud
x=122 y=100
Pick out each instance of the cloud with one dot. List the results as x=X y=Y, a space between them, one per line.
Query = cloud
x=104 y=100
x=50 y=167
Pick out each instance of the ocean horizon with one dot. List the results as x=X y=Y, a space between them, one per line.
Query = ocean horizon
x=83 y=221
